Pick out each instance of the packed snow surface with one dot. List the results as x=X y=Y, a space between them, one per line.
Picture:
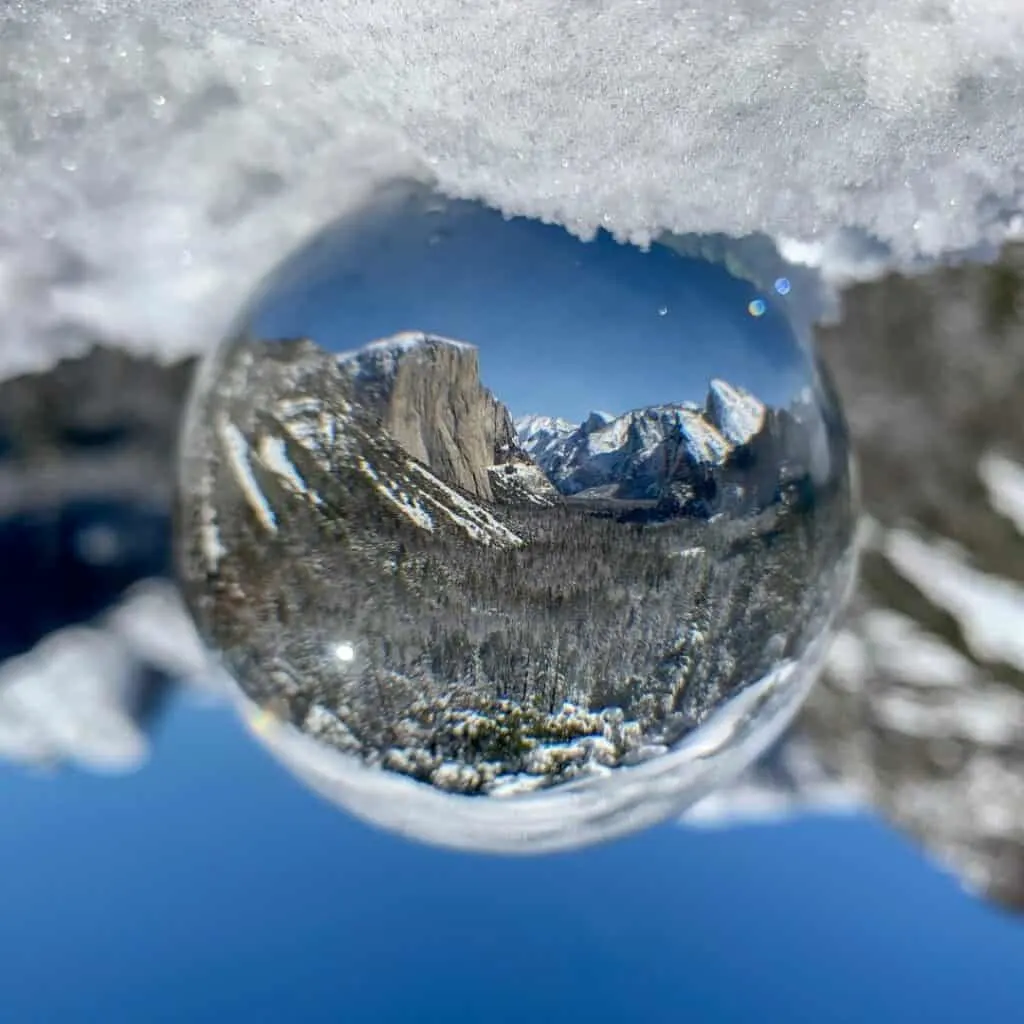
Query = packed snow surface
x=157 y=160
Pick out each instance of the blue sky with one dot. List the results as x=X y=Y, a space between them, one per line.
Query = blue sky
x=563 y=326
x=211 y=886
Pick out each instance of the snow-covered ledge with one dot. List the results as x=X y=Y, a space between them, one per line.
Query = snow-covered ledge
x=157 y=159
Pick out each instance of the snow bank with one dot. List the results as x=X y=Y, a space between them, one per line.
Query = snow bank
x=157 y=160
x=79 y=695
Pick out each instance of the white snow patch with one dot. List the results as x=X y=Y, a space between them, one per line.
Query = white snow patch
x=847 y=662
x=307 y=422
x=476 y=521
x=305 y=431
x=610 y=437
x=693 y=552
x=298 y=406
x=738 y=413
x=751 y=803
x=530 y=479
x=410 y=507
x=908 y=653
x=383 y=354
x=703 y=441
x=72 y=697
x=528 y=428
x=210 y=544
x=209 y=538
x=65 y=700
x=237 y=450
x=274 y=455
x=155 y=166
x=1004 y=480
x=993 y=717
x=990 y=610
x=405 y=341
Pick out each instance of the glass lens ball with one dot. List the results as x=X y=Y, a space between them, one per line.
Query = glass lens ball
x=510 y=540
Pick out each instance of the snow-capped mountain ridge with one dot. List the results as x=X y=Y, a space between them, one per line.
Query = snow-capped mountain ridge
x=423 y=395
x=403 y=341
x=730 y=417
x=596 y=420
x=637 y=452
x=530 y=425
x=736 y=413
x=378 y=363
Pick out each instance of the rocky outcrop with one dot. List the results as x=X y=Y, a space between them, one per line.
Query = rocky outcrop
x=427 y=394
x=735 y=414
x=923 y=705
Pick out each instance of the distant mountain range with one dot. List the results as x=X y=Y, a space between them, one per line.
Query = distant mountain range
x=731 y=417
x=700 y=460
x=733 y=454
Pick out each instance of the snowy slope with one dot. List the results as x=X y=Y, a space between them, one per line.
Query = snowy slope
x=540 y=435
x=405 y=485
x=313 y=417
x=604 y=450
x=736 y=413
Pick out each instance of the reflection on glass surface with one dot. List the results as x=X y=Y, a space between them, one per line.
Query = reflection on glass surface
x=485 y=510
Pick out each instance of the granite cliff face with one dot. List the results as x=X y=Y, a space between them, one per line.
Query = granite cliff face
x=426 y=390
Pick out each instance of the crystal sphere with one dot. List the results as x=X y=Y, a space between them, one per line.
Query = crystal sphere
x=510 y=540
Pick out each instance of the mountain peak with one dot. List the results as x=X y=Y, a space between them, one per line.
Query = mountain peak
x=596 y=420
x=386 y=351
x=425 y=391
x=533 y=424
x=405 y=340
x=736 y=413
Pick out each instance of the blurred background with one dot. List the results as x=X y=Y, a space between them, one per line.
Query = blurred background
x=918 y=724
